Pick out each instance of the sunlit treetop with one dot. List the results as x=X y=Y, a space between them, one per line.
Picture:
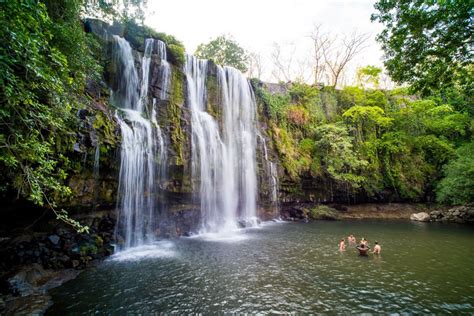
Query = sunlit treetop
x=427 y=43
x=224 y=51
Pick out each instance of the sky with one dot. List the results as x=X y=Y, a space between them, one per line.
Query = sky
x=257 y=24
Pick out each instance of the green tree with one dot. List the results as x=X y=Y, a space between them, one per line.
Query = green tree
x=427 y=43
x=368 y=75
x=458 y=185
x=36 y=96
x=224 y=51
x=334 y=156
x=367 y=121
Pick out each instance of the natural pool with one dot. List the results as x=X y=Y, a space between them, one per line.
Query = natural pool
x=283 y=268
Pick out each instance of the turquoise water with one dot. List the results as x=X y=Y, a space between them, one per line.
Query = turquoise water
x=283 y=268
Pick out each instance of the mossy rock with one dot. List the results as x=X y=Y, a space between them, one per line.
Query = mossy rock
x=323 y=212
x=105 y=126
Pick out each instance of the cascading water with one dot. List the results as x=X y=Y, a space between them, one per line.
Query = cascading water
x=275 y=185
x=225 y=165
x=223 y=160
x=239 y=110
x=142 y=141
x=96 y=172
x=272 y=178
x=165 y=70
x=96 y=162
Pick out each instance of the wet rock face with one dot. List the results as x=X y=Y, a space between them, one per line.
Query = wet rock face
x=35 y=304
x=90 y=193
x=36 y=261
x=183 y=221
x=30 y=285
x=33 y=279
x=62 y=248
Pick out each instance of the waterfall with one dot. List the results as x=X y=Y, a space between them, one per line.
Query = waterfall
x=142 y=141
x=272 y=178
x=96 y=162
x=165 y=70
x=222 y=160
x=239 y=111
x=275 y=186
x=223 y=148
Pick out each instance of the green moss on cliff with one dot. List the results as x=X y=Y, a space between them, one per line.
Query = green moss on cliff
x=177 y=53
x=174 y=116
x=212 y=86
x=105 y=128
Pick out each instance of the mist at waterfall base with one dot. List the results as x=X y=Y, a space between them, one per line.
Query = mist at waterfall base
x=223 y=162
x=284 y=268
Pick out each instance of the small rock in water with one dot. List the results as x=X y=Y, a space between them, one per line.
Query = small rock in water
x=420 y=217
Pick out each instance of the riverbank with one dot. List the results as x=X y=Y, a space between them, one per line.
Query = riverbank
x=296 y=212
x=382 y=211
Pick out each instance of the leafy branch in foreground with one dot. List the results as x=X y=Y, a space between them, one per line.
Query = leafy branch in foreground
x=41 y=80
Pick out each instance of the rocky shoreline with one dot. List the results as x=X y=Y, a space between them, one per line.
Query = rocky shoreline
x=46 y=255
x=292 y=212
x=458 y=214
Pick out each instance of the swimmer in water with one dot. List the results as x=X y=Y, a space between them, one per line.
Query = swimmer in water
x=377 y=248
x=342 y=245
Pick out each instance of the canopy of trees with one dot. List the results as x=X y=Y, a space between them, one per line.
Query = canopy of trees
x=428 y=44
x=224 y=51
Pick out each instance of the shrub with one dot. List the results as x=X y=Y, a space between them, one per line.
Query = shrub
x=323 y=212
x=297 y=115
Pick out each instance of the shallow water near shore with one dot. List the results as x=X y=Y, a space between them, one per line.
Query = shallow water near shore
x=283 y=268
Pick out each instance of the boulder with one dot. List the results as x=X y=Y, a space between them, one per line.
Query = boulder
x=35 y=304
x=420 y=217
x=54 y=239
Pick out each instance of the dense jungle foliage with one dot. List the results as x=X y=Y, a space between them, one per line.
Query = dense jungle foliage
x=45 y=62
x=374 y=141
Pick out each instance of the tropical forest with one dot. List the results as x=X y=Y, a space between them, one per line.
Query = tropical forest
x=209 y=157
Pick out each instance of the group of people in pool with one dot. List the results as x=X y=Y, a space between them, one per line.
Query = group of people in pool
x=363 y=245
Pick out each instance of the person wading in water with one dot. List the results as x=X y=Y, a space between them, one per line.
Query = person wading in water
x=377 y=248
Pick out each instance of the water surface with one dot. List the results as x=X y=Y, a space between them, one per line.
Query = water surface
x=287 y=267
